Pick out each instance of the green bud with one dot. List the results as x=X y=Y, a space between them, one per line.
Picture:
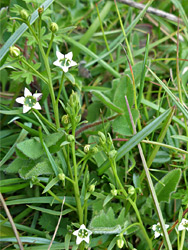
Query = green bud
x=70 y=138
x=86 y=148
x=112 y=154
x=131 y=190
x=40 y=10
x=14 y=51
x=114 y=192
x=92 y=188
x=54 y=27
x=65 y=119
x=94 y=150
x=78 y=118
x=102 y=137
x=61 y=176
x=120 y=243
x=24 y=14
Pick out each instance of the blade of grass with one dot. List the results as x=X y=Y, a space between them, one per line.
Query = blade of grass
x=142 y=79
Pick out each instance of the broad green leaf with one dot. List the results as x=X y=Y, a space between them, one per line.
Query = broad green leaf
x=162 y=157
x=41 y=168
x=170 y=182
x=6 y=231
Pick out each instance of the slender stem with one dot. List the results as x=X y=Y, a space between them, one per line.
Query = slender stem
x=55 y=197
x=50 y=85
x=76 y=187
x=150 y=183
x=133 y=204
x=34 y=70
x=50 y=45
x=60 y=88
x=11 y=222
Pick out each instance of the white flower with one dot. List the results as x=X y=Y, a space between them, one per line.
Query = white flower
x=29 y=101
x=82 y=234
x=64 y=61
x=157 y=229
x=183 y=225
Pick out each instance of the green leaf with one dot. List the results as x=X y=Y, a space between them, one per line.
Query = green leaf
x=170 y=182
x=52 y=212
x=106 y=101
x=51 y=184
x=33 y=169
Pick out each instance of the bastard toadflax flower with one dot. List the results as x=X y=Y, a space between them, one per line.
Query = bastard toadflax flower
x=29 y=101
x=64 y=61
x=183 y=225
x=82 y=234
x=157 y=229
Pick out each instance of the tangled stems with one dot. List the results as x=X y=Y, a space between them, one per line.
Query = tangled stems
x=113 y=166
x=50 y=85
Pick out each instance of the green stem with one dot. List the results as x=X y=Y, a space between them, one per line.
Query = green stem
x=34 y=70
x=55 y=197
x=60 y=88
x=76 y=187
x=133 y=204
x=50 y=45
x=50 y=85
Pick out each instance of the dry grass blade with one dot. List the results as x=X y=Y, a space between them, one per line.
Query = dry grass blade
x=11 y=222
x=151 y=10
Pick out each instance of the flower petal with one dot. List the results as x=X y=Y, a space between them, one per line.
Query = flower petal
x=65 y=68
x=69 y=56
x=59 y=55
x=37 y=106
x=76 y=232
x=157 y=235
x=57 y=63
x=20 y=100
x=78 y=240
x=181 y=227
x=86 y=239
x=37 y=96
x=72 y=63
x=27 y=92
x=26 y=109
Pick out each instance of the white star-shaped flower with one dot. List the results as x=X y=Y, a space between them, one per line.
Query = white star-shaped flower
x=82 y=234
x=183 y=225
x=157 y=229
x=29 y=101
x=64 y=61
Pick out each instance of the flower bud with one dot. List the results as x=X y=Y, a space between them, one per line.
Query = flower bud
x=14 y=51
x=114 y=192
x=86 y=148
x=112 y=154
x=131 y=190
x=70 y=138
x=120 y=243
x=92 y=188
x=94 y=150
x=54 y=27
x=102 y=137
x=61 y=176
x=24 y=15
x=40 y=10
x=65 y=119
